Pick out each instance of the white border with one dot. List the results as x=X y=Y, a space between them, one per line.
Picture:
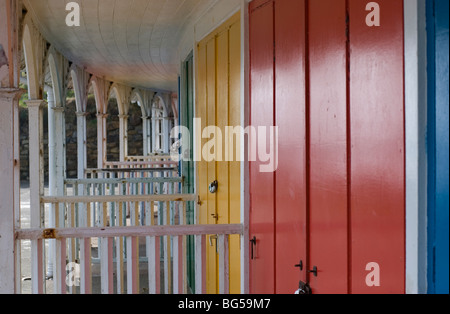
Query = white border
x=416 y=149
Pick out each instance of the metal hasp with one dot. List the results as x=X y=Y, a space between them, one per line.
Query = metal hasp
x=253 y=245
x=314 y=271
x=300 y=265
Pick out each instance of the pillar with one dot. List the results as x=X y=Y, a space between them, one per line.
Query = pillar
x=81 y=144
x=9 y=190
x=146 y=128
x=57 y=168
x=123 y=137
x=10 y=12
x=101 y=140
x=36 y=191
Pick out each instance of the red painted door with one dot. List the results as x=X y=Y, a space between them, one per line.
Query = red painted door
x=328 y=145
x=276 y=257
x=290 y=112
x=329 y=74
x=262 y=199
x=378 y=142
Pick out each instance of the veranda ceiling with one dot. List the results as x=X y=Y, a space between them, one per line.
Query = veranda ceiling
x=134 y=42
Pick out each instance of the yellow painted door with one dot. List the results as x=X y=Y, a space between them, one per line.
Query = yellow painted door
x=218 y=83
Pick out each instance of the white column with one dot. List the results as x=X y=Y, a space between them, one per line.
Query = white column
x=81 y=145
x=123 y=138
x=146 y=135
x=166 y=135
x=51 y=173
x=57 y=168
x=36 y=191
x=416 y=145
x=101 y=140
x=10 y=12
x=9 y=190
x=154 y=121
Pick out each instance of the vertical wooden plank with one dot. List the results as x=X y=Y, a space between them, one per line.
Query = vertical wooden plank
x=186 y=253
x=85 y=267
x=200 y=269
x=211 y=91
x=224 y=265
x=235 y=164
x=106 y=260
x=71 y=255
x=85 y=254
x=36 y=188
x=201 y=111
x=132 y=265
x=9 y=142
x=262 y=215
x=291 y=206
x=328 y=145
x=158 y=264
x=439 y=149
x=133 y=254
x=222 y=121
x=150 y=249
x=378 y=147
x=37 y=267
x=176 y=262
x=120 y=252
x=63 y=264
x=152 y=274
x=169 y=252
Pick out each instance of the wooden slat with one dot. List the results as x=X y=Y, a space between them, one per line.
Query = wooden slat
x=62 y=264
x=117 y=198
x=86 y=272
x=106 y=260
x=139 y=231
x=82 y=182
x=37 y=266
x=224 y=266
x=132 y=265
x=152 y=264
x=120 y=253
x=200 y=264
x=133 y=254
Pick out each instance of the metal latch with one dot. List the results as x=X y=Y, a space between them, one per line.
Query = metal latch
x=49 y=234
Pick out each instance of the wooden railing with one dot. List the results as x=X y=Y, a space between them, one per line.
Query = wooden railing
x=136 y=254
x=153 y=157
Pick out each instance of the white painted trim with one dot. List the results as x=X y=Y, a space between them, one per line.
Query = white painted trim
x=245 y=174
x=416 y=159
x=9 y=209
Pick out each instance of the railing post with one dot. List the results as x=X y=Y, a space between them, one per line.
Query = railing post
x=36 y=191
x=9 y=190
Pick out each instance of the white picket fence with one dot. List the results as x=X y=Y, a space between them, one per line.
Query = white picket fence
x=124 y=229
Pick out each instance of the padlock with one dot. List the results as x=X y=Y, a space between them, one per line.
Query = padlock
x=213 y=187
x=304 y=288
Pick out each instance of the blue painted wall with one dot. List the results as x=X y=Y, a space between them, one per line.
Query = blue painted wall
x=438 y=145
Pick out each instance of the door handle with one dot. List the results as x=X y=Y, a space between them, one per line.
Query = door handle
x=314 y=271
x=253 y=245
x=300 y=265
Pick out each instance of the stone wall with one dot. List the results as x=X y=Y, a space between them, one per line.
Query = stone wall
x=135 y=146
